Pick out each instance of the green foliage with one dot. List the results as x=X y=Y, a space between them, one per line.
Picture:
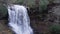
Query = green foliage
x=43 y=4
x=55 y=29
x=20 y=1
x=3 y=11
x=30 y=3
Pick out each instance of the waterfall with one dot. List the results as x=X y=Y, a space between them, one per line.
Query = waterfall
x=19 y=20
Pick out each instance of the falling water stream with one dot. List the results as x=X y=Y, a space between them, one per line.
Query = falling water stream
x=19 y=20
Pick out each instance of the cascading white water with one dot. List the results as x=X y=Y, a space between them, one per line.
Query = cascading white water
x=19 y=20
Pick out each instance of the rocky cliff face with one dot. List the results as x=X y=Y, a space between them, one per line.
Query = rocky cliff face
x=56 y=1
x=56 y=13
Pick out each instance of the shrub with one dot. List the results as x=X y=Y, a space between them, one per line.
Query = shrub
x=55 y=29
x=3 y=11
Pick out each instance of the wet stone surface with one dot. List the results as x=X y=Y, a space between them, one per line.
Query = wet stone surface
x=4 y=29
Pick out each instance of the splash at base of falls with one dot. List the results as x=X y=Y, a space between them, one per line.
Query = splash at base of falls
x=19 y=20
